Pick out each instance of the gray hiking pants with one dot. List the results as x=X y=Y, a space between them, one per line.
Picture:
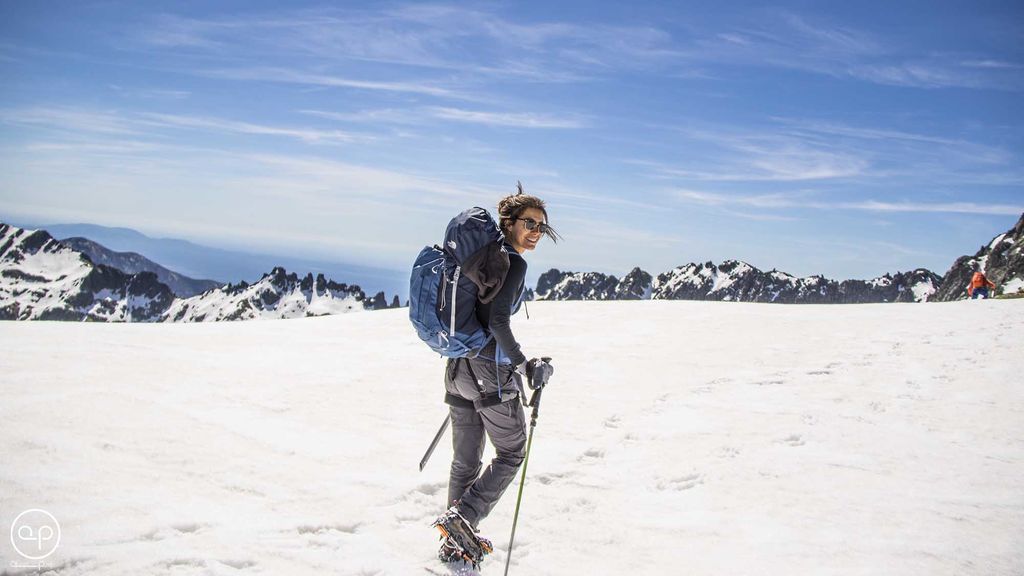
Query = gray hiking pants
x=504 y=424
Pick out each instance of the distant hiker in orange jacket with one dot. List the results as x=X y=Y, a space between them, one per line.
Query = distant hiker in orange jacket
x=980 y=286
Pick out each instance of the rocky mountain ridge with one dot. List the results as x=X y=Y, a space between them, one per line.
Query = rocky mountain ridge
x=276 y=295
x=133 y=263
x=735 y=281
x=1002 y=261
x=44 y=279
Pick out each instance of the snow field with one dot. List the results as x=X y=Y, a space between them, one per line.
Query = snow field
x=675 y=437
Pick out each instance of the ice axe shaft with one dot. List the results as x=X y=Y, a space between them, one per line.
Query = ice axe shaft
x=433 y=444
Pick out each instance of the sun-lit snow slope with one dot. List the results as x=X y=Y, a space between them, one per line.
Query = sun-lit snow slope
x=695 y=438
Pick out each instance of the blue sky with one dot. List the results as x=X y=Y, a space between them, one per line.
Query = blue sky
x=848 y=140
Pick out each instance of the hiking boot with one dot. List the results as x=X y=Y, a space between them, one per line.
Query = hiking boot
x=460 y=534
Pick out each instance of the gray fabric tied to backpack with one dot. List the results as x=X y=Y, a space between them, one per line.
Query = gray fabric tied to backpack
x=474 y=241
x=487 y=269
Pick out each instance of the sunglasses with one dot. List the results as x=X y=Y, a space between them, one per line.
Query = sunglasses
x=532 y=225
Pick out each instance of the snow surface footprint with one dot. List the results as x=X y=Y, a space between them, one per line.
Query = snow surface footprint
x=793 y=440
x=709 y=386
x=660 y=401
x=728 y=452
x=431 y=489
x=552 y=477
x=328 y=528
x=238 y=564
x=419 y=504
x=579 y=504
x=681 y=483
x=179 y=563
x=244 y=490
x=74 y=564
x=173 y=531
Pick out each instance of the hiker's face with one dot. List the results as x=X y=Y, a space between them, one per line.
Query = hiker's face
x=521 y=238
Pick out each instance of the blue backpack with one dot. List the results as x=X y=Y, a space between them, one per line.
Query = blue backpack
x=447 y=281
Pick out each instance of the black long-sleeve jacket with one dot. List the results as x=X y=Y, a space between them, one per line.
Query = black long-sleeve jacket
x=496 y=315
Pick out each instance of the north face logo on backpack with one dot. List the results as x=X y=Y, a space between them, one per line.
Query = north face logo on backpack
x=447 y=283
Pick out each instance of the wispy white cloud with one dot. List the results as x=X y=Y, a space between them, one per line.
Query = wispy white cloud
x=174 y=32
x=151 y=93
x=236 y=127
x=313 y=79
x=81 y=147
x=509 y=119
x=805 y=201
x=783 y=39
x=829 y=151
x=84 y=121
x=371 y=116
x=604 y=241
x=775 y=200
x=861 y=132
x=991 y=63
x=951 y=207
x=450 y=52
x=914 y=144
x=592 y=200
x=428 y=114
x=474 y=42
x=920 y=75
x=729 y=155
x=69 y=119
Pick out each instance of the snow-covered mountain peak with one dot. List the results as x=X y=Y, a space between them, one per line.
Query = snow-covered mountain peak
x=277 y=294
x=736 y=281
x=43 y=279
x=37 y=254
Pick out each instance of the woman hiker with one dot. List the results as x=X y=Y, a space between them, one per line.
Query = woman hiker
x=483 y=393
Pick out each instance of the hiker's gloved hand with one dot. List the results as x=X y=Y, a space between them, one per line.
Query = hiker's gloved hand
x=538 y=370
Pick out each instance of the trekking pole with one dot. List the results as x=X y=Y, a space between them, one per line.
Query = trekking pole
x=437 y=438
x=535 y=403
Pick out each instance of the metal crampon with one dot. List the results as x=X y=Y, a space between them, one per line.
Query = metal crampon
x=460 y=539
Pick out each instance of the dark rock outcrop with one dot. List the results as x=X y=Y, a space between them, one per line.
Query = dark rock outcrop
x=1002 y=261
x=132 y=263
x=556 y=285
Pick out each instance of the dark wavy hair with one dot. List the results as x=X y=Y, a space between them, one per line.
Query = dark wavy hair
x=512 y=206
